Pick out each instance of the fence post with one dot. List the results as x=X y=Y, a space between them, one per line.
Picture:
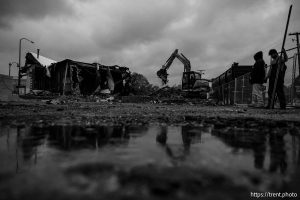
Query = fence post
x=293 y=89
x=243 y=89
x=225 y=93
x=65 y=78
x=234 y=93
x=222 y=90
x=229 y=93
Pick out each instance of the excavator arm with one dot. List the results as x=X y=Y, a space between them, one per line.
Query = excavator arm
x=162 y=73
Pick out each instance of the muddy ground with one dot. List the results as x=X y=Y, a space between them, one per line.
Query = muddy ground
x=97 y=113
x=146 y=182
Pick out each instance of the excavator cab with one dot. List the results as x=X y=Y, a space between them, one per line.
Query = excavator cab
x=193 y=85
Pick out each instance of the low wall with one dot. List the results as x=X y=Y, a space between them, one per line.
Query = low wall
x=8 y=90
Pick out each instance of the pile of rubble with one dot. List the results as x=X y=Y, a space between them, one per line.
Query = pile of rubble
x=168 y=92
x=78 y=98
x=146 y=93
x=165 y=95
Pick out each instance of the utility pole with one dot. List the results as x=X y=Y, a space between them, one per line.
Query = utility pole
x=298 y=48
x=9 y=67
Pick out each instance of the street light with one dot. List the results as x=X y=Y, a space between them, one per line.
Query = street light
x=19 y=74
x=10 y=64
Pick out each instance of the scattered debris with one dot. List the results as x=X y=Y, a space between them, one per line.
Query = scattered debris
x=54 y=101
x=168 y=92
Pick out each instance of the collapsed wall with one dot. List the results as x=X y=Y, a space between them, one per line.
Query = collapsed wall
x=73 y=77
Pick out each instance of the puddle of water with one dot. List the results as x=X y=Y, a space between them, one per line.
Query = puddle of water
x=247 y=157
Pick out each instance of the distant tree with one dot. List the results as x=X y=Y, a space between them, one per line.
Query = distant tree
x=177 y=86
x=140 y=85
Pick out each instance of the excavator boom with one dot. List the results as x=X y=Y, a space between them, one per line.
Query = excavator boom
x=162 y=73
x=193 y=85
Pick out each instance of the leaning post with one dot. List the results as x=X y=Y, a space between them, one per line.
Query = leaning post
x=280 y=64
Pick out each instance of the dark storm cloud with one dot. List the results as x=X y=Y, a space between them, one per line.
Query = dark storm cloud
x=34 y=9
x=295 y=17
x=142 y=34
x=212 y=34
x=135 y=22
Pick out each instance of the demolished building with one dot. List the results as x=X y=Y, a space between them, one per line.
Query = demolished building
x=35 y=69
x=74 y=77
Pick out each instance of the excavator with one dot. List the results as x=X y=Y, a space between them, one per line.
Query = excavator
x=193 y=85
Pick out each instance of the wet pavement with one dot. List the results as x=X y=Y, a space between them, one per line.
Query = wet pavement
x=208 y=160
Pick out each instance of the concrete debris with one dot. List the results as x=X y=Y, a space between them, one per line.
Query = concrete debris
x=54 y=101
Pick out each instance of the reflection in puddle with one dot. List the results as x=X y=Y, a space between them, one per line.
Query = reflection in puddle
x=234 y=152
x=268 y=151
x=188 y=135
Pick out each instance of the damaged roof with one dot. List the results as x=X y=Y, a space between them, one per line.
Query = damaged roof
x=88 y=65
x=43 y=61
x=77 y=63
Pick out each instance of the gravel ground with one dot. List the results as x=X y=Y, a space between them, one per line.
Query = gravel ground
x=132 y=113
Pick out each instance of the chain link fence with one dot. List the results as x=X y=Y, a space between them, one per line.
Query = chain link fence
x=294 y=89
x=239 y=90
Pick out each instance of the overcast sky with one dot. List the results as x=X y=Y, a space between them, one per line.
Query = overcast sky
x=141 y=34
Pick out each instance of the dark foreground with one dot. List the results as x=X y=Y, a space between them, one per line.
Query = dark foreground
x=146 y=151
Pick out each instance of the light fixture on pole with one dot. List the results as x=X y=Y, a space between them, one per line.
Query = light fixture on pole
x=10 y=64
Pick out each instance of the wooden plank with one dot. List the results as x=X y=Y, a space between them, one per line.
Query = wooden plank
x=65 y=78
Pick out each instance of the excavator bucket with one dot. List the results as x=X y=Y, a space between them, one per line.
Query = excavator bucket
x=163 y=75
